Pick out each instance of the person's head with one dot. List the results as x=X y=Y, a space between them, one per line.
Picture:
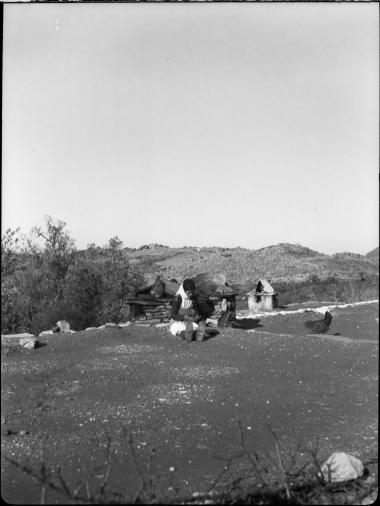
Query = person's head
x=188 y=287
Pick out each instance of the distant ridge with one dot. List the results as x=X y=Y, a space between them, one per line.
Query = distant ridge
x=282 y=262
x=374 y=254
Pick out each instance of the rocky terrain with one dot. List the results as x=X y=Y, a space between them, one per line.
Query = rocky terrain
x=136 y=415
x=281 y=263
x=373 y=254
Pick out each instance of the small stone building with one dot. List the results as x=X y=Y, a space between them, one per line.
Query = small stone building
x=263 y=298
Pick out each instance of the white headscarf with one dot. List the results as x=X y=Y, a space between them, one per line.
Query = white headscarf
x=186 y=301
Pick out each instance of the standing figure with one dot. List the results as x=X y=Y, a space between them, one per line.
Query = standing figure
x=186 y=320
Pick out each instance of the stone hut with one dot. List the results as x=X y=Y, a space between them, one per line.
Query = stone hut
x=263 y=298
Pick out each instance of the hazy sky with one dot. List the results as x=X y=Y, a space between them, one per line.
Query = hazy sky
x=193 y=124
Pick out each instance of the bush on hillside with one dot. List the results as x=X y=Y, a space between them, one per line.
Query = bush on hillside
x=330 y=289
x=49 y=280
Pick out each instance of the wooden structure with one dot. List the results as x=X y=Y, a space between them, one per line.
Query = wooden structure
x=263 y=298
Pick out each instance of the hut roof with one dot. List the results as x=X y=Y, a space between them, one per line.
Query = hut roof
x=263 y=286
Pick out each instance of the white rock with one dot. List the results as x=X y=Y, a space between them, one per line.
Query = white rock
x=28 y=342
x=91 y=328
x=126 y=324
x=18 y=339
x=46 y=333
x=63 y=325
x=110 y=324
x=341 y=466
x=17 y=336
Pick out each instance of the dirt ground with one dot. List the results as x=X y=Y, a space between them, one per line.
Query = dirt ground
x=180 y=411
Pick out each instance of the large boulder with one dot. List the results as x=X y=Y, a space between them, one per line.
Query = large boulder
x=212 y=284
x=171 y=287
x=158 y=288
x=341 y=466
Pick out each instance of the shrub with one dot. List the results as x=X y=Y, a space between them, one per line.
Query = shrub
x=49 y=280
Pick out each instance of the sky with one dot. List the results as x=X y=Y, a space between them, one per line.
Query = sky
x=236 y=124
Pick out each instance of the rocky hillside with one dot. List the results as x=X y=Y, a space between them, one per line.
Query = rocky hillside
x=280 y=263
x=373 y=254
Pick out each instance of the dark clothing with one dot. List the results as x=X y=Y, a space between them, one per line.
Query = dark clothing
x=176 y=306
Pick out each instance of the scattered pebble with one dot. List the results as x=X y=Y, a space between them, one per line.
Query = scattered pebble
x=172 y=469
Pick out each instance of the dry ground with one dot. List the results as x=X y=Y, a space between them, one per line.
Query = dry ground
x=192 y=403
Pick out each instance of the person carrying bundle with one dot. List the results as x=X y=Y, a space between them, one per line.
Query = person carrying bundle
x=186 y=320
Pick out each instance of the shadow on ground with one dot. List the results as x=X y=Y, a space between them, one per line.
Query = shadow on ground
x=248 y=323
x=210 y=333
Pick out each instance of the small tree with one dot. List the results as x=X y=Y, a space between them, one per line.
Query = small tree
x=9 y=249
x=115 y=243
x=33 y=287
x=10 y=303
x=119 y=281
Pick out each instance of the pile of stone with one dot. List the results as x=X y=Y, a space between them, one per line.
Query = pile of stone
x=150 y=312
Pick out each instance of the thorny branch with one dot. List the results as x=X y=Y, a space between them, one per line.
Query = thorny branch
x=280 y=461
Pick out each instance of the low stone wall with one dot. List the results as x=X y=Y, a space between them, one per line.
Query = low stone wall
x=142 y=313
x=145 y=312
x=150 y=313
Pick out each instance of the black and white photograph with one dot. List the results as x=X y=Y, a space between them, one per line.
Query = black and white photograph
x=190 y=252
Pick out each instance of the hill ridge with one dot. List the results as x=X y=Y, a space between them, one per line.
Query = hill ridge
x=283 y=262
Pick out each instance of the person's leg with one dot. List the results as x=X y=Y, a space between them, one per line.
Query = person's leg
x=191 y=328
x=201 y=331
x=189 y=332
